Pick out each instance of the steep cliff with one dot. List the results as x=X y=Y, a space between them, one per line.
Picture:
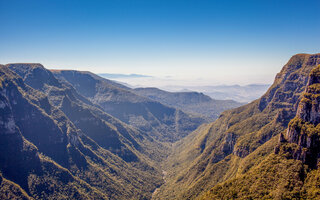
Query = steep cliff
x=292 y=172
x=301 y=140
x=109 y=132
x=44 y=155
x=21 y=161
x=240 y=139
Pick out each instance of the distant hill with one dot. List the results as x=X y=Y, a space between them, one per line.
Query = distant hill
x=245 y=94
x=193 y=102
x=115 y=76
x=162 y=122
x=239 y=93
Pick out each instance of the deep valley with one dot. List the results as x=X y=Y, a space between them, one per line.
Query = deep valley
x=68 y=134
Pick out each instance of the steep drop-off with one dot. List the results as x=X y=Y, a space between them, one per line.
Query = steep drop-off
x=109 y=132
x=69 y=134
x=291 y=172
x=240 y=139
x=45 y=154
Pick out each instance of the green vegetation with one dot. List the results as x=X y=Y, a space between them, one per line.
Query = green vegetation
x=304 y=128
x=274 y=178
x=54 y=159
x=239 y=140
x=70 y=134
x=291 y=173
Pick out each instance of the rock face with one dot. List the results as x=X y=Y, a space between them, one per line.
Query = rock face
x=89 y=118
x=304 y=130
x=217 y=151
x=228 y=143
x=292 y=171
x=48 y=152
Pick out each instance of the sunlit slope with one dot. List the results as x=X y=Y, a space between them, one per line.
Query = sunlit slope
x=291 y=172
x=235 y=142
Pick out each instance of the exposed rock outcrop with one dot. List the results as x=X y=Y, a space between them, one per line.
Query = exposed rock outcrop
x=255 y=125
x=228 y=143
x=44 y=151
x=301 y=140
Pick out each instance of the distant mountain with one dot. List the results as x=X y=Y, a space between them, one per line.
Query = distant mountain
x=115 y=76
x=193 y=102
x=237 y=150
x=245 y=94
x=159 y=121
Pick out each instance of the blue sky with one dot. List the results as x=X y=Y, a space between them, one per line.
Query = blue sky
x=217 y=42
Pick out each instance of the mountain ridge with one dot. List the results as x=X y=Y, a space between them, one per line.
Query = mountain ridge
x=69 y=134
x=293 y=167
x=215 y=153
x=162 y=122
x=85 y=163
x=193 y=102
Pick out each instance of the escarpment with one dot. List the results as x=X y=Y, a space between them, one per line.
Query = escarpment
x=46 y=153
x=301 y=140
x=286 y=166
x=74 y=134
x=230 y=146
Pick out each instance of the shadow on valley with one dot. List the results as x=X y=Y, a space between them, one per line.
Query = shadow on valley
x=67 y=134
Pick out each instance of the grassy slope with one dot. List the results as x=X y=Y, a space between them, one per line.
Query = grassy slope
x=216 y=153
x=10 y=190
x=288 y=174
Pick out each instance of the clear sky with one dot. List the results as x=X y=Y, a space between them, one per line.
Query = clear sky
x=235 y=41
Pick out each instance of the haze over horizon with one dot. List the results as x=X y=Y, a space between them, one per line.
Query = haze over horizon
x=167 y=82
x=159 y=99
x=208 y=42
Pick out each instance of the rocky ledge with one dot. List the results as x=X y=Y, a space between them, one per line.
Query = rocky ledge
x=301 y=140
